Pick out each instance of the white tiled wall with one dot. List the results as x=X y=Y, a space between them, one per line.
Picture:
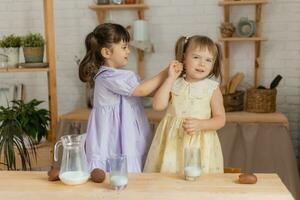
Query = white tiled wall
x=168 y=19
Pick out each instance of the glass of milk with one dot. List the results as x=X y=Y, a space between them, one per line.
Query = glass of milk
x=192 y=163
x=118 y=175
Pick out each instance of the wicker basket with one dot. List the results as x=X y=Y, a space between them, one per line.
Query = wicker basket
x=261 y=100
x=234 y=102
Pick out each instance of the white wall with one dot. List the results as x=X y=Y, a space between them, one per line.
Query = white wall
x=168 y=20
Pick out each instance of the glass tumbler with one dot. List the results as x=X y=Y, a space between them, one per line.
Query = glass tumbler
x=118 y=175
x=192 y=163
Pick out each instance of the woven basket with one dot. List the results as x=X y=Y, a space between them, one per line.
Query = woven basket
x=234 y=102
x=261 y=100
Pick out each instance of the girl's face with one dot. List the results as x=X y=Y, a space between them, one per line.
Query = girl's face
x=119 y=55
x=198 y=64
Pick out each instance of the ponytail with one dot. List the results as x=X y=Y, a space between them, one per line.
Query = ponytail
x=103 y=36
x=180 y=48
x=216 y=71
x=93 y=59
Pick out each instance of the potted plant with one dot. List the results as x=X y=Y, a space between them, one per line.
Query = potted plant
x=22 y=126
x=33 y=47
x=10 y=47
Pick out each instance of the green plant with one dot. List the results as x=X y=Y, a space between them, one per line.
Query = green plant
x=34 y=121
x=32 y=40
x=10 y=41
x=20 y=124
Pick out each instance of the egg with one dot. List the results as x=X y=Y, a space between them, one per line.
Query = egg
x=247 y=178
x=53 y=174
x=98 y=175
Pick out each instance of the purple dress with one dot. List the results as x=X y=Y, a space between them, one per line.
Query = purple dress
x=117 y=123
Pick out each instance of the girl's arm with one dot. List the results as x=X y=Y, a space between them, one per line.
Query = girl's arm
x=149 y=86
x=162 y=96
x=218 y=116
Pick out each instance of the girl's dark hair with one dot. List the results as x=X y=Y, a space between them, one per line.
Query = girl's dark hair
x=103 y=36
x=184 y=44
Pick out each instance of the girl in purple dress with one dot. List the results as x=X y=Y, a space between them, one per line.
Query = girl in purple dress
x=117 y=124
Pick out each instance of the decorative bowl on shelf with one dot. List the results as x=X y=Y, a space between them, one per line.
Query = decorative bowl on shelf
x=245 y=27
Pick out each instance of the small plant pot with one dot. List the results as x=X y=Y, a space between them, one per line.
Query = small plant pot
x=12 y=56
x=33 y=54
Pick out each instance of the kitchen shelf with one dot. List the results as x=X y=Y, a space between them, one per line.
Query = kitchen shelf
x=257 y=39
x=242 y=39
x=50 y=69
x=13 y=70
x=119 y=7
x=242 y=2
x=139 y=8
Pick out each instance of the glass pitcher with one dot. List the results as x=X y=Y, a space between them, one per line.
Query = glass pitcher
x=73 y=168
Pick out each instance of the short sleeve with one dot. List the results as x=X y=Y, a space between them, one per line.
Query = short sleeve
x=178 y=86
x=121 y=82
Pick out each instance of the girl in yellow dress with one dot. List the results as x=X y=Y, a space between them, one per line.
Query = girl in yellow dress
x=194 y=109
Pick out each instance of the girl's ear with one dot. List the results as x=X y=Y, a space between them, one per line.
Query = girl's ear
x=105 y=52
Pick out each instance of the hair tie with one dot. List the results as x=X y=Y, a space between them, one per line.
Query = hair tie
x=186 y=39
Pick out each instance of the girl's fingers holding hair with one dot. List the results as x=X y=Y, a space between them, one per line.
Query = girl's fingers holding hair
x=178 y=67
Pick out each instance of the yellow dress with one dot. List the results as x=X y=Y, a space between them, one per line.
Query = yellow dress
x=167 y=148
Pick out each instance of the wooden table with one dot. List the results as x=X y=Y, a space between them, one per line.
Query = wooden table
x=34 y=185
x=254 y=142
x=154 y=117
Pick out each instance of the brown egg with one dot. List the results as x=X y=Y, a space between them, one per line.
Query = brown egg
x=98 y=175
x=53 y=174
x=247 y=178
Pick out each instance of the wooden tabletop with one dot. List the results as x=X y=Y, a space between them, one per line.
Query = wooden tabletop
x=35 y=186
x=154 y=117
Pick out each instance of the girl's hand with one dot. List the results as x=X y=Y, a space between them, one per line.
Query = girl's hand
x=175 y=69
x=191 y=125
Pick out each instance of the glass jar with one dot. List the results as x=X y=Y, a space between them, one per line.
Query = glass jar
x=116 y=1
x=3 y=60
x=102 y=2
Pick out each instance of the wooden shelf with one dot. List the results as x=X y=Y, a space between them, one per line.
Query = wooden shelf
x=50 y=69
x=242 y=39
x=119 y=7
x=139 y=8
x=242 y=2
x=256 y=39
x=13 y=70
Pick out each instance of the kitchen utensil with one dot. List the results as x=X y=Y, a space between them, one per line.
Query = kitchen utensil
x=275 y=81
x=73 y=169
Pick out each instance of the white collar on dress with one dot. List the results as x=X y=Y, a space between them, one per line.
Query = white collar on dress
x=198 y=89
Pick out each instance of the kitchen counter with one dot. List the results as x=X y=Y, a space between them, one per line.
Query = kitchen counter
x=34 y=185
